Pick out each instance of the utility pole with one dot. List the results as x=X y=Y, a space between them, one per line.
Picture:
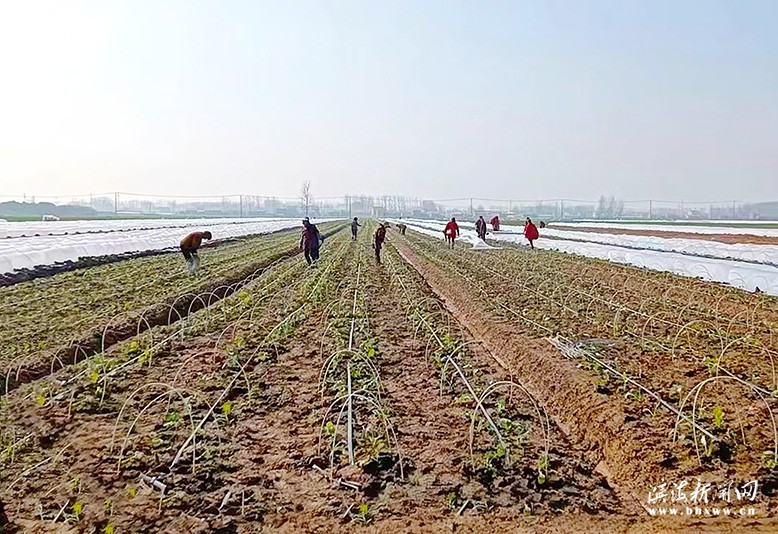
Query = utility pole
x=240 y=197
x=471 y=208
x=116 y=203
x=650 y=210
x=562 y=209
x=734 y=208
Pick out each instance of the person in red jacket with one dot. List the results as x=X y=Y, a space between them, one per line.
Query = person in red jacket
x=495 y=222
x=189 y=247
x=530 y=232
x=451 y=232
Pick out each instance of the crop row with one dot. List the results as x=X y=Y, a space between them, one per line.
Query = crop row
x=356 y=427
x=77 y=319
x=509 y=431
x=695 y=373
x=172 y=397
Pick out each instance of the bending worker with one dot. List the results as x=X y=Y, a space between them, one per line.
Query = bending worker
x=189 y=246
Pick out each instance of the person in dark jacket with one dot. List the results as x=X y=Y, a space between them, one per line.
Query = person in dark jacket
x=480 y=228
x=189 y=247
x=309 y=241
x=378 y=241
x=354 y=225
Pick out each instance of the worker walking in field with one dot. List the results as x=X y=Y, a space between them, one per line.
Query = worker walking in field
x=378 y=241
x=354 y=225
x=189 y=247
x=530 y=232
x=310 y=241
x=495 y=222
x=451 y=231
x=480 y=228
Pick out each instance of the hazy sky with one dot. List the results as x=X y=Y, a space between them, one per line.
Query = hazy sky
x=442 y=99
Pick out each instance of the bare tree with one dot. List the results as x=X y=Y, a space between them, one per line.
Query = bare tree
x=305 y=196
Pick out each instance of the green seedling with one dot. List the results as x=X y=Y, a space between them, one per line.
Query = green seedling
x=245 y=298
x=718 y=416
x=146 y=357
x=172 y=419
x=542 y=466
x=227 y=411
x=464 y=398
x=712 y=365
x=363 y=514
x=329 y=429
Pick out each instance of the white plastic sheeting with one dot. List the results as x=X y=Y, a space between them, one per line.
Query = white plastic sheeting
x=738 y=274
x=689 y=229
x=41 y=228
x=435 y=229
x=27 y=252
x=698 y=247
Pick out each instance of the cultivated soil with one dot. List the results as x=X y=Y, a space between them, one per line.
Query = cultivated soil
x=104 y=445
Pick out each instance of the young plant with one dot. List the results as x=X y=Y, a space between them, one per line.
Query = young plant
x=542 y=467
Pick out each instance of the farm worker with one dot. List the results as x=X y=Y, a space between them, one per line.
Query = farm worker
x=309 y=241
x=354 y=225
x=189 y=246
x=402 y=228
x=480 y=228
x=530 y=232
x=495 y=222
x=451 y=232
x=378 y=241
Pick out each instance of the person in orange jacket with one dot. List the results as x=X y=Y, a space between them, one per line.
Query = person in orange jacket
x=451 y=232
x=530 y=232
x=189 y=247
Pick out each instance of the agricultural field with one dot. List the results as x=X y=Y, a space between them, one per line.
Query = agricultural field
x=495 y=389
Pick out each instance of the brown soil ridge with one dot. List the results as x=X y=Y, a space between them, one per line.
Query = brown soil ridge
x=627 y=454
x=730 y=239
